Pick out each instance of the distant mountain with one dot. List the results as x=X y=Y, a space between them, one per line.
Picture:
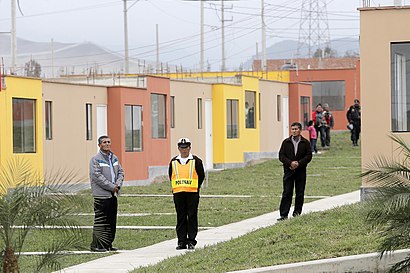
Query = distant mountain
x=287 y=49
x=88 y=58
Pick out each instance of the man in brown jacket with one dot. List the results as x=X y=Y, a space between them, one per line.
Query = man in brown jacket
x=295 y=154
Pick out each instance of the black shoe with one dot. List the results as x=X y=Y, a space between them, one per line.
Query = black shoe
x=191 y=246
x=181 y=246
x=96 y=249
x=295 y=214
x=282 y=218
x=112 y=249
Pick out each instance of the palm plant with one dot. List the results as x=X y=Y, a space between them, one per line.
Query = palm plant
x=390 y=205
x=29 y=200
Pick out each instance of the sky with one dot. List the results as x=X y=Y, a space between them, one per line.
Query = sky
x=102 y=22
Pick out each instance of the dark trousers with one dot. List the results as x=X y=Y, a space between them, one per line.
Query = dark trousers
x=327 y=135
x=293 y=179
x=355 y=133
x=186 y=206
x=321 y=131
x=105 y=222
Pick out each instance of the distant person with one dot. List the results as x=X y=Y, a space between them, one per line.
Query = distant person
x=354 y=119
x=312 y=136
x=295 y=154
x=330 y=122
x=186 y=173
x=106 y=177
x=319 y=123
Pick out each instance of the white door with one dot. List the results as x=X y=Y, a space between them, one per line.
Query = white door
x=101 y=120
x=285 y=115
x=209 y=161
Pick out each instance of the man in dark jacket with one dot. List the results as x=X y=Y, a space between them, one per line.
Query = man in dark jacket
x=354 y=118
x=295 y=154
x=186 y=173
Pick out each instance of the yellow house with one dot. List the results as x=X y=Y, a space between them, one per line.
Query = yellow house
x=21 y=126
x=235 y=121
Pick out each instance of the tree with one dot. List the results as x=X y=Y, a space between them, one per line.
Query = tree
x=29 y=200
x=328 y=53
x=390 y=204
x=32 y=69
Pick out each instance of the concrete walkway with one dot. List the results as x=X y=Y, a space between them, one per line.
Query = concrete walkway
x=127 y=261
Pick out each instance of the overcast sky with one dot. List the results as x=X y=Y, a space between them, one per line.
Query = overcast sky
x=101 y=22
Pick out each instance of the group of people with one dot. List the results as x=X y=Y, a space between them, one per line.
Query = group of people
x=186 y=173
x=320 y=125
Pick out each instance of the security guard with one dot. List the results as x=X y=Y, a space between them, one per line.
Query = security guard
x=186 y=173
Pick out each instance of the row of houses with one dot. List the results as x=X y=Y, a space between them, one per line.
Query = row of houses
x=55 y=125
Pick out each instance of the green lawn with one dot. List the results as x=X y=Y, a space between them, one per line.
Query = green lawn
x=333 y=172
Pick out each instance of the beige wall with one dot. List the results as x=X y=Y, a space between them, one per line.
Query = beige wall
x=271 y=130
x=186 y=115
x=378 y=28
x=69 y=150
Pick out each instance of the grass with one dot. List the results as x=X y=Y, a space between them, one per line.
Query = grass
x=333 y=172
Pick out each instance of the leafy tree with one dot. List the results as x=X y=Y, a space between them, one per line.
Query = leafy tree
x=389 y=206
x=32 y=69
x=29 y=200
x=328 y=53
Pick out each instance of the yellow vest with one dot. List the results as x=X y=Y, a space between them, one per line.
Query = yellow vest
x=184 y=177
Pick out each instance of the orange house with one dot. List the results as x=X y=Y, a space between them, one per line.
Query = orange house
x=337 y=87
x=138 y=123
x=300 y=101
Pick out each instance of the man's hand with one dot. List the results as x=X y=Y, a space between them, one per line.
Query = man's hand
x=294 y=165
x=115 y=190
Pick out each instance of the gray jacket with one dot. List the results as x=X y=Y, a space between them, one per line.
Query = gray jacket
x=100 y=174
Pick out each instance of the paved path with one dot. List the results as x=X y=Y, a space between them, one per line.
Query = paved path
x=127 y=261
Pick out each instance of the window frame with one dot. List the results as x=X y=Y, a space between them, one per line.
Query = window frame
x=89 y=121
x=232 y=118
x=48 y=119
x=19 y=109
x=305 y=111
x=135 y=112
x=155 y=128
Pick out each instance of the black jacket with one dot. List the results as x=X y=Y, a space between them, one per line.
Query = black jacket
x=287 y=153
x=199 y=168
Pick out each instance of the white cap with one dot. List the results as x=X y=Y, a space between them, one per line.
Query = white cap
x=184 y=142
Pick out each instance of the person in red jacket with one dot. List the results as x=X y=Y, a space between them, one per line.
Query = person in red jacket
x=295 y=153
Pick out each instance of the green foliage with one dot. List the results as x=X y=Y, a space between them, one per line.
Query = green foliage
x=389 y=206
x=31 y=200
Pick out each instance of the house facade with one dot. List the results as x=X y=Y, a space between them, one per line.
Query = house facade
x=385 y=82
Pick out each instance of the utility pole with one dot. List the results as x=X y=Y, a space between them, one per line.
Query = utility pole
x=223 y=36
x=126 y=58
x=201 y=62
x=157 y=36
x=13 y=40
x=263 y=27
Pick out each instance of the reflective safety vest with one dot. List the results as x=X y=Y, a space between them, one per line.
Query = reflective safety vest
x=184 y=177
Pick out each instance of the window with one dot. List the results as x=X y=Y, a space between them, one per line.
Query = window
x=232 y=118
x=172 y=111
x=89 y=121
x=400 y=94
x=49 y=120
x=158 y=116
x=260 y=106
x=330 y=92
x=305 y=111
x=133 y=128
x=24 y=125
x=199 y=113
x=278 y=108
x=250 y=98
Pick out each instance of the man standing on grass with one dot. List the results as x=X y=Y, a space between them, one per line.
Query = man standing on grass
x=186 y=173
x=295 y=154
x=106 y=177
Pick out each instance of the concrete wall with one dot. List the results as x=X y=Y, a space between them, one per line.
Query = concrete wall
x=69 y=149
x=379 y=27
x=297 y=90
x=271 y=129
x=186 y=115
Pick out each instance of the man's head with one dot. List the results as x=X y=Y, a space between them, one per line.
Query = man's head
x=104 y=142
x=184 y=146
x=319 y=108
x=296 y=129
x=356 y=102
x=326 y=107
